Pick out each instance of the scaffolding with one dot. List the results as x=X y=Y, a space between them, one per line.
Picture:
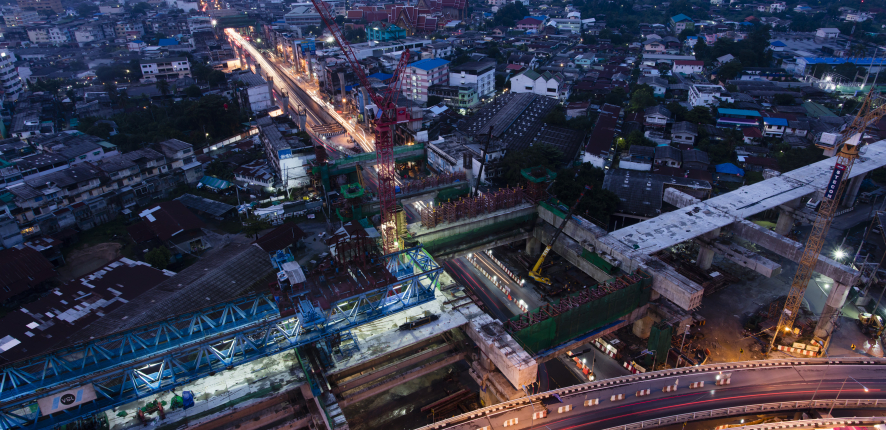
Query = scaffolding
x=590 y=309
x=538 y=179
x=471 y=207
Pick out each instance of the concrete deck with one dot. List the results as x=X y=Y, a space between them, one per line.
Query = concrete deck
x=671 y=228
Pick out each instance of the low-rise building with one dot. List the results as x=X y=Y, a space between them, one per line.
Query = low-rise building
x=180 y=155
x=477 y=74
x=165 y=69
x=253 y=92
x=544 y=84
x=708 y=95
x=455 y=96
x=688 y=67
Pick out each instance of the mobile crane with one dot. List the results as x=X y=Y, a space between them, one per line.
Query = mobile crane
x=848 y=152
x=535 y=273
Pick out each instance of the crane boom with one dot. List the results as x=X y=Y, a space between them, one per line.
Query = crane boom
x=535 y=273
x=848 y=153
x=388 y=116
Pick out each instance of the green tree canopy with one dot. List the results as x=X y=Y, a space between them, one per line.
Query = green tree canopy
x=158 y=257
x=597 y=204
x=509 y=14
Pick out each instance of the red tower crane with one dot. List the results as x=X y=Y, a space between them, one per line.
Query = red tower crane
x=388 y=116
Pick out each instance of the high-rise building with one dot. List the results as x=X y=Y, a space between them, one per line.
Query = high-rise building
x=10 y=82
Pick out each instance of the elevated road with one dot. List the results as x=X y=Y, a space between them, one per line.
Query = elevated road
x=623 y=401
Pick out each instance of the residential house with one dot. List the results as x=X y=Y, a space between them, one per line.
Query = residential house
x=774 y=127
x=529 y=24
x=653 y=46
x=708 y=95
x=688 y=67
x=684 y=132
x=165 y=69
x=656 y=116
x=180 y=155
x=681 y=22
x=545 y=84
x=172 y=224
x=659 y=85
x=695 y=159
x=668 y=156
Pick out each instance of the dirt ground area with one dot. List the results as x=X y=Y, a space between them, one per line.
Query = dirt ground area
x=82 y=261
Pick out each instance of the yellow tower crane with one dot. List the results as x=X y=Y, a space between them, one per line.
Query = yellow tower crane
x=535 y=273
x=848 y=146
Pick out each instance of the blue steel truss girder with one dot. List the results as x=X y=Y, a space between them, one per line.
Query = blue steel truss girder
x=149 y=373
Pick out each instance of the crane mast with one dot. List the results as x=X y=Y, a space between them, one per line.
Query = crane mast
x=848 y=152
x=387 y=117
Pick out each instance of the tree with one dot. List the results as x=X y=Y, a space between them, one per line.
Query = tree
x=536 y=155
x=702 y=51
x=312 y=30
x=216 y=78
x=635 y=138
x=158 y=257
x=700 y=115
x=784 y=99
x=163 y=87
x=729 y=70
x=509 y=14
x=616 y=97
x=597 y=204
x=193 y=91
x=556 y=116
x=86 y=9
x=642 y=98
x=140 y=8
x=255 y=226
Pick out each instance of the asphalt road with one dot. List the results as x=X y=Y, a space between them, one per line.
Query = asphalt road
x=749 y=387
x=457 y=270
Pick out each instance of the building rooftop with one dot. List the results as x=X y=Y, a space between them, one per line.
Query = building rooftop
x=429 y=64
x=46 y=323
x=208 y=206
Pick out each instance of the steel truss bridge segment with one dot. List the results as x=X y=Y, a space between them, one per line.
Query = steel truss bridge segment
x=649 y=376
x=766 y=408
x=145 y=361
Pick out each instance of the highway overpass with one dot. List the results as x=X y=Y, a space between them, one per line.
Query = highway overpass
x=622 y=401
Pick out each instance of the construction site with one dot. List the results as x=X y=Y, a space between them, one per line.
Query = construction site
x=432 y=299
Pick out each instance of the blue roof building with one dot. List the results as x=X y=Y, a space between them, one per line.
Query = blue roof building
x=429 y=64
x=775 y=121
x=167 y=42
x=730 y=169
x=738 y=113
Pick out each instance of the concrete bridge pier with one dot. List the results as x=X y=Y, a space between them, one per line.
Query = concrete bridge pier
x=533 y=247
x=835 y=302
x=706 y=252
x=852 y=190
x=786 y=217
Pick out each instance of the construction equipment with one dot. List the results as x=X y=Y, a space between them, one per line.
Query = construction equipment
x=871 y=325
x=848 y=152
x=483 y=157
x=535 y=273
x=388 y=115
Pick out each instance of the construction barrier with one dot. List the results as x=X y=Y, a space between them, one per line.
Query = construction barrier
x=511 y=422
x=699 y=384
x=724 y=381
x=617 y=397
x=592 y=402
x=669 y=388
x=562 y=409
x=631 y=367
x=642 y=393
x=799 y=351
x=538 y=415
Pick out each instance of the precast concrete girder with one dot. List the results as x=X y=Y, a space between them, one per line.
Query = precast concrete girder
x=772 y=241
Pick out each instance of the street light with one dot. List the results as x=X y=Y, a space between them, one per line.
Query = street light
x=841 y=390
x=839 y=254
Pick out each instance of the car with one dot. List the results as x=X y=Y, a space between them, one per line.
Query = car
x=322 y=234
